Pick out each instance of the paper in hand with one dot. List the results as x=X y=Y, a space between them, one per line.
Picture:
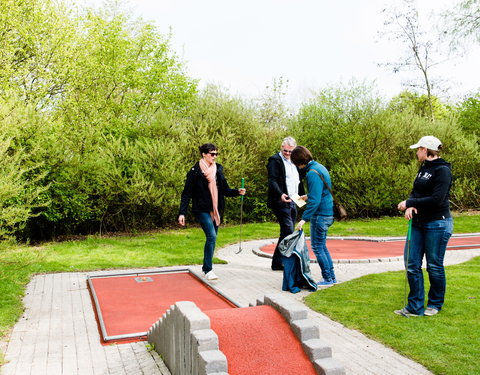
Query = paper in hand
x=298 y=201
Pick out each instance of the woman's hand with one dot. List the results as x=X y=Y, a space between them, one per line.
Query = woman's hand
x=181 y=220
x=300 y=224
x=304 y=197
x=409 y=212
x=242 y=191
x=402 y=206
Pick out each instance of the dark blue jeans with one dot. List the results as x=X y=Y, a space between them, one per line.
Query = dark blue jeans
x=318 y=235
x=286 y=216
x=210 y=230
x=430 y=240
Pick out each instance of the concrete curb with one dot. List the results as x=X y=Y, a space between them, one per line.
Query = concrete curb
x=263 y=254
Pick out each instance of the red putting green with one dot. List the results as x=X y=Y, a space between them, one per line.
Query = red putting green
x=128 y=305
x=257 y=341
x=361 y=249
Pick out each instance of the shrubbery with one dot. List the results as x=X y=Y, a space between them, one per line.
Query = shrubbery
x=99 y=134
x=364 y=144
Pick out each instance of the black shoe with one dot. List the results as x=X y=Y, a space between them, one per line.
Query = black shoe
x=277 y=268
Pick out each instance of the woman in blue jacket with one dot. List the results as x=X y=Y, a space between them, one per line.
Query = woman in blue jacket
x=207 y=187
x=319 y=210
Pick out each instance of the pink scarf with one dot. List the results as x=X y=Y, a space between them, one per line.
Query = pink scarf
x=210 y=172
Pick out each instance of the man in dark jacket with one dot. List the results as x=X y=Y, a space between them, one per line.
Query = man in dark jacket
x=283 y=182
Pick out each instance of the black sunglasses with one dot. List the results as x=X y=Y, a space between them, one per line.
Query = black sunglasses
x=213 y=153
x=287 y=151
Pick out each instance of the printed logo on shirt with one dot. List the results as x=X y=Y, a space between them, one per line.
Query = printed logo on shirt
x=425 y=176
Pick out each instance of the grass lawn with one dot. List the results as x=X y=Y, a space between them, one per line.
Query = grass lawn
x=185 y=246
x=447 y=343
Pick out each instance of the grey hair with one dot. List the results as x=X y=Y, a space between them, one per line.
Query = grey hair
x=289 y=141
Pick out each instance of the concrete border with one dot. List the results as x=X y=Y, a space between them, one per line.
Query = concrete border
x=263 y=254
x=184 y=339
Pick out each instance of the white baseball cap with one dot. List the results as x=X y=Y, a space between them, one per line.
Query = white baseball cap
x=429 y=141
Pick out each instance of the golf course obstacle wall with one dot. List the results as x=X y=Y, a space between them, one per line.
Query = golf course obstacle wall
x=188 y=345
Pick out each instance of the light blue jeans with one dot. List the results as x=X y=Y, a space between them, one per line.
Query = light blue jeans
x=428 y=239
x=210 y=230
x=318 y=238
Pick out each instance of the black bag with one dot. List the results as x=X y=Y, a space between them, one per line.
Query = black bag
x=339 y=212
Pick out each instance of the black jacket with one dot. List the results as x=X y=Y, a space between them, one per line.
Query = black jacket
x=196 y=189
x=277 y=184
x=431 y=191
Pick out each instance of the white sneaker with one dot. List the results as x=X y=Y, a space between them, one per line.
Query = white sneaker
x=430 y=311
x=211 y=275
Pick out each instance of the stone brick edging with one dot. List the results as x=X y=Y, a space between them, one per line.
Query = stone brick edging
x=184 y=340
x=188 y=346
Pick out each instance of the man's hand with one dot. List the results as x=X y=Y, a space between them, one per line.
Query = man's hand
x=285 y=198
x=181 y=220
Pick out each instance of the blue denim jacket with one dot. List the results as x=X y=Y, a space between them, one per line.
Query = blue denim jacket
x=320 y=201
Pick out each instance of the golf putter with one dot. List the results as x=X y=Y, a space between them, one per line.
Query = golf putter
x=241 y=217
x=409 y=233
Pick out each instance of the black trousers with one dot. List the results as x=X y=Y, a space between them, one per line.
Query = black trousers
x=286 y=217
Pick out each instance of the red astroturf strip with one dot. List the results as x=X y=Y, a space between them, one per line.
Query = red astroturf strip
x=258 y=340
x=130 y=307
x=356 y=249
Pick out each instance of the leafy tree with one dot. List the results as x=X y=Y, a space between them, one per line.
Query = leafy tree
x=408 y=101
x=36 y=38
x=462 y=23
x=469 y=115
x=272 y=109
x=21 y=190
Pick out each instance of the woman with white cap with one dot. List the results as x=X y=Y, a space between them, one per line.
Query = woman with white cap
x=428 y=207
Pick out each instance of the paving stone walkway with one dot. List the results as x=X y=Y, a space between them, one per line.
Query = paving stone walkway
x=58 y=333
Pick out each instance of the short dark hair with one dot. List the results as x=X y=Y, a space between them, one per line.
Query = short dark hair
x=301 y=156
x=206 y=148
x=433 y=152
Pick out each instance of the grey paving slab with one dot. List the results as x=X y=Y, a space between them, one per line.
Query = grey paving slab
x=58 y=333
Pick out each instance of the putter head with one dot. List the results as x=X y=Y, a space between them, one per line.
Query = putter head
x=238 y=251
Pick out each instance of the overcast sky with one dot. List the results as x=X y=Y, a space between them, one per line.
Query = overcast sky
x=245 y=45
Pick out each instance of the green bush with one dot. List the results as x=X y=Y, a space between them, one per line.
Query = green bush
x=99 y=124
x=244 y=144
x=19 y=195
x=364 y=144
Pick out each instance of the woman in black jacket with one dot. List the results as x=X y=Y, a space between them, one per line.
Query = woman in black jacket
x=428 y=207
x=207 y=187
